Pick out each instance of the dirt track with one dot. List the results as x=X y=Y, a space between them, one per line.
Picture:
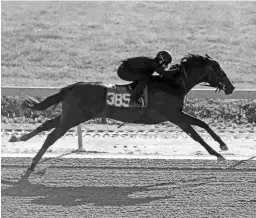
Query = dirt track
x=129 y=188
x=114 y=187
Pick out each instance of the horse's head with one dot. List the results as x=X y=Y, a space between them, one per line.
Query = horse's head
x=205 y=69
x=216 y=76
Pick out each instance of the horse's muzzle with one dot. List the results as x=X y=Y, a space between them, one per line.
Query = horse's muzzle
x=229 y=88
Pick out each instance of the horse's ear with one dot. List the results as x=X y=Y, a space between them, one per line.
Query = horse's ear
x=207 y=56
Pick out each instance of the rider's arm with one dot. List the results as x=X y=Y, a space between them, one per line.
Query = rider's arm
x=167 y=73
x=158 y=68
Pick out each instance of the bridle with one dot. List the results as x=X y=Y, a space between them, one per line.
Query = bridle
x=220 y=85
x=183 y=71
x=184 y=78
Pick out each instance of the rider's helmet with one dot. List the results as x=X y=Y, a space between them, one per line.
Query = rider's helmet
x=163 y=57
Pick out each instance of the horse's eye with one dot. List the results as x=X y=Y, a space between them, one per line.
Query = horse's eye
x=221 y=72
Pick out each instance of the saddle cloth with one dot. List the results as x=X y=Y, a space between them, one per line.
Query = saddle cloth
x=119 y=96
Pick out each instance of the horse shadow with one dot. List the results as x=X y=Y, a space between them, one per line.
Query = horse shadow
x=100 y=195
x=73 y=196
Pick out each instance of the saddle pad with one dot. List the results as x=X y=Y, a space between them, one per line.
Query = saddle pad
x=119 y=96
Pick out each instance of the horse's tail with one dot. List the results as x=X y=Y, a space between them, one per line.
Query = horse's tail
x=55 y=99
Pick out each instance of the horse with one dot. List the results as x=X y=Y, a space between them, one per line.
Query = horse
x=83 y=101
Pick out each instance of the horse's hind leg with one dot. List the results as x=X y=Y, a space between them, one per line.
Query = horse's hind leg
x=49 y=124
x=58 y=132
x=67 y=121
x=51 y=138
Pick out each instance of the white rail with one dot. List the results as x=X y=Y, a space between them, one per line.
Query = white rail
x=194 y=93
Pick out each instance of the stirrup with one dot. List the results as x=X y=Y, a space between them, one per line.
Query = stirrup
x=140 y=102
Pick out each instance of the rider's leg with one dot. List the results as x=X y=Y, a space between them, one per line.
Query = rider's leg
x=126 y=74
x=141 y=85
x=141 y=80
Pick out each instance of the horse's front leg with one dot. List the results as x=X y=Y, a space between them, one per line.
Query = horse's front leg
x=194 y=121
x=193 y=134
x=49 y=124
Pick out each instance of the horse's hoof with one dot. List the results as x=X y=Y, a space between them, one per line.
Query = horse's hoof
x=223 y=147
x=24 y=178
x=221 y=159
x=41 y=172
x=30 y=170
x=13 y=139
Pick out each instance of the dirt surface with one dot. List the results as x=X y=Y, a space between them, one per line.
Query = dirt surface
x=129 y=188
x=129 y=172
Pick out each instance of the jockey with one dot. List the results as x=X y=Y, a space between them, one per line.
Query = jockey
x=140 y=69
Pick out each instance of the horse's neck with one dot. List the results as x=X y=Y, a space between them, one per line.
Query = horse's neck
x=182 y=84
x=187 y=84
x=188 y=81
x=166 y=85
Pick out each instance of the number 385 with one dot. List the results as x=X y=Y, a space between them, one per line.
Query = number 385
x=118 y=99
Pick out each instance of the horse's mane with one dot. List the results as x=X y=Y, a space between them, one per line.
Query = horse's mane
x=192 y=57
x=189 y=58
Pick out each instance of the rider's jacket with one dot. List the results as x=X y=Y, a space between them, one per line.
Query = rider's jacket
x=147 y=66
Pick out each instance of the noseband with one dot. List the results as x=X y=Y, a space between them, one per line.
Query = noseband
x=220 y=85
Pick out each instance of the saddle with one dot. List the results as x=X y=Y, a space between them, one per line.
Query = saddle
x=119 y=96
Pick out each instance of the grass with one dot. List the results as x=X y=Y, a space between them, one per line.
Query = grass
x=58 y=43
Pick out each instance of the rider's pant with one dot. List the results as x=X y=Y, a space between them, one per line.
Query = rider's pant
x=132 y=75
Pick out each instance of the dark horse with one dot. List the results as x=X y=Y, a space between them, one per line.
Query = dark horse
x=84 y=101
